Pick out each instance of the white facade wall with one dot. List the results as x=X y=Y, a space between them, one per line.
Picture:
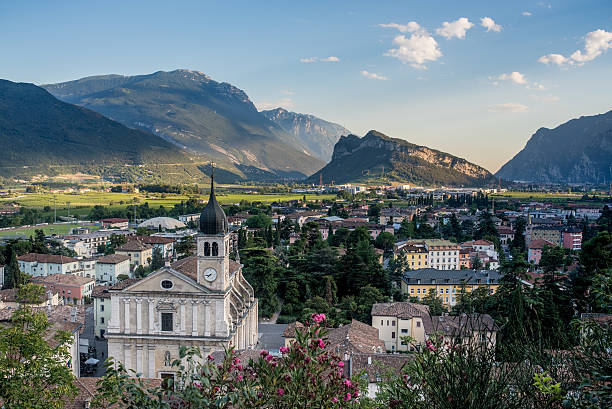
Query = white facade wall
x=102 y=315
x=444 y=259
x=108 y=273
x=36 y=269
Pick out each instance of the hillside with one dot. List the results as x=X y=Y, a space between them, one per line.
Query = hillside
x=194 y=112
x=40 y=133
x=578 y=151
x=358 y=159
x=317 y=135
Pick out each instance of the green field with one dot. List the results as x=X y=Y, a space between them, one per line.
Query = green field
x=80 y=203
x=537 y=195
x=48 y=229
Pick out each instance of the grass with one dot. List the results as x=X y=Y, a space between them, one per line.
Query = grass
x=48 y=229
x=80 y=203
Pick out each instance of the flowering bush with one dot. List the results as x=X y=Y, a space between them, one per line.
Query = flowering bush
x=305 y=375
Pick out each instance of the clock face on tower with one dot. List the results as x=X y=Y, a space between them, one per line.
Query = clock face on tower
x=210 y=274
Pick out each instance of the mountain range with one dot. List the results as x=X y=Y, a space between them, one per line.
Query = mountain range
x=317 y=135
x=203 y=116
x=578 y=151
x=41 y=134
x=377 y=157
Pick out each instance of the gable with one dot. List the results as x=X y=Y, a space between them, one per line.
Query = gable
x=181 y=283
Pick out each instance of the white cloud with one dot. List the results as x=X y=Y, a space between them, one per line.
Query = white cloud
x=373 y=75
x=514 y=76
x=557 y=59
x=318 y=59
x=456 y=28
x=508 y=107
x=526 y=14
x=411 y=27
x=545 y=98
x=490 y=25
x=286 y=103
x=595 y=44
x=417 y=49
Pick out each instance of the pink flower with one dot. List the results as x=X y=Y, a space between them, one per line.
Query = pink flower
x=210 y=358
x=318 y=318
x=216 y=389
x=321 y=343
x=239 y=367
x=284 y=350
x=341 y=364
x=347 y=397
x=334 y=399
x=236 y=360
x=280 y=391
x=263 y=352
x=288 y=378
x=269 y=358
x=347 y=383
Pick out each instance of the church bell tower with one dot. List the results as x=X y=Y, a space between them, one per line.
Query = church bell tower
x=213 y=244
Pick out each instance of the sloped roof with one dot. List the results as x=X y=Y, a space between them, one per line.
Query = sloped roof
x=133 y=245
x=46 y=258
x=539 y=244
x=354 y=337
x=403 y=310
x=112 y=259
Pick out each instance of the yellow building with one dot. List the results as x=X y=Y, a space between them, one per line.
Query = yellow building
x=447 y=284
x=416 y=256
x=140 y=254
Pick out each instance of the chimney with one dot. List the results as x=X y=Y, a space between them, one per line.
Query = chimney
x=73 y=314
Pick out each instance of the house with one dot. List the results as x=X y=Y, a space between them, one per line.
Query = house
x=115 y=223
x=484 y=250
x=164 y=244
x=102 y=308
x=8 y=299
x=416 y=256
x=374 y=366
x=571 y=238
x=91 y=241
x=441 y=254
x=506 y=235
x=42 y=265
x=110 y=267
x=201 y=301
x=407 y=326
x=87 y=268
x=551 y=234
x=397 y=320
x=391 y=215
x=447 y=284
x=534 y=250
x=140 y=254
x=72 y=289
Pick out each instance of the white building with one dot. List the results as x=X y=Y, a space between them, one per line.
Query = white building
x=109 y=267
x=42 y=265
x=102 y=305
x=202 y=301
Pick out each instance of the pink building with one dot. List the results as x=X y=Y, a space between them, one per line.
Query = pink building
x=571 y=238
x=72 y=289
x=534 y=250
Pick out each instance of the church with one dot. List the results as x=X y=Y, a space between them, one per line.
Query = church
x=200 y=301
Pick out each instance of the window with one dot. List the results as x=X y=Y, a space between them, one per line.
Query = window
x=215 y=249
x=101 y=320
x=446 y=299
x=418 y=291
x=387 y=323
x=393 y=334
x=166 y=319
x=418 y=324
x=404 y=330
x=382 y=323
x=447 y=291
x=167 y=284
x=393 y=323
x=207 y=249
x=412 y=291
x=101 y=308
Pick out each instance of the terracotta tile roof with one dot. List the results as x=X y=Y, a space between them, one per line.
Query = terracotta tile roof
x=63 y=279
x=464 y=324
x=540 y=243
x=375 y=366
x=289 y=331
x=88 y=388
x=134 y=245
x=112 y=259
x=403 y=310
x=114 y=220
x=354 y=337
x=47 y=258
x=102 y=291
x=154 y=239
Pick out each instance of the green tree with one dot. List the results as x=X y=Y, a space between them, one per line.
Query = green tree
x=385 y=241
x=258 y=221
x=434 y=302
x=184 y=247
x=33 y=369
x=158 y=260
x=13 y=277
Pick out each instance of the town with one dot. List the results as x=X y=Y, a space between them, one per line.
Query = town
x=390 y=267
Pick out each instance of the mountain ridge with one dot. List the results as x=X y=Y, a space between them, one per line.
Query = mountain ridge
x=361 y=159
x=197 y=113
x=577 y=151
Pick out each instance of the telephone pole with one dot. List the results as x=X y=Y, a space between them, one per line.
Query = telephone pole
x=54 y=209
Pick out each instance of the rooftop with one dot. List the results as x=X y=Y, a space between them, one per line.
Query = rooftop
x=63 y=279
x=457 y=277
x=112 y=259
x=46 y=258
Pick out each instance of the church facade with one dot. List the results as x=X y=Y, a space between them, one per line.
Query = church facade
x=200 y=301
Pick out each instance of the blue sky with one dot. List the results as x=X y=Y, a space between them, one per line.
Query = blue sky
x=474 y=88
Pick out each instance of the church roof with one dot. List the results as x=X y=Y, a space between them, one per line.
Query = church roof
x=213 y=219
x=189 y=266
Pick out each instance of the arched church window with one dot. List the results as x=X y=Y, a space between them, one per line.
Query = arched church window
x=215 y=249
x=207 y=249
